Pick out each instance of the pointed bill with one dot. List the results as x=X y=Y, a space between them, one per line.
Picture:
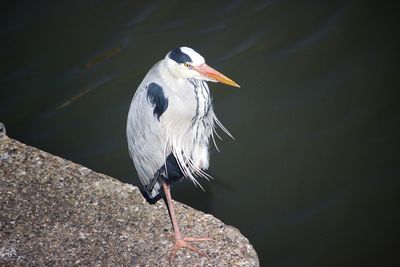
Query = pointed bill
x=213 y=74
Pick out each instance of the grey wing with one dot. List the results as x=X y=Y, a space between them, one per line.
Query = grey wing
x=146 y=139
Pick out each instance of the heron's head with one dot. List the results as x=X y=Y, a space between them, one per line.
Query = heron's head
x=186 y=63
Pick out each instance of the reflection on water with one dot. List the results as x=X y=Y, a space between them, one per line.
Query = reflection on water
x=103 y=56
x=312 y=177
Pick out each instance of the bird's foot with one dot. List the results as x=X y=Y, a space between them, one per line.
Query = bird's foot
x=184 y=243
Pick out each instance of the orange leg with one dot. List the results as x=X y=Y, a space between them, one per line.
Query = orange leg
x=180 y=242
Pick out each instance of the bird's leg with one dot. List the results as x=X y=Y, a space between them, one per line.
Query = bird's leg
x=180 y=242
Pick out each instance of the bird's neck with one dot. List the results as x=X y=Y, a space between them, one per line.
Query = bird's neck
x=202 y=98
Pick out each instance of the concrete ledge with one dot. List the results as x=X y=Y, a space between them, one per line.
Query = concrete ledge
x=55 y=212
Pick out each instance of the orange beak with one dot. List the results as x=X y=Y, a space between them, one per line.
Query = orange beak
x=213 y=74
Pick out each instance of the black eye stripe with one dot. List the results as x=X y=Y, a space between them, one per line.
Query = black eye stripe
x=180 y=57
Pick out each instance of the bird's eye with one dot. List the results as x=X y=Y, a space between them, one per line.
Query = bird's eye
x=187 y=65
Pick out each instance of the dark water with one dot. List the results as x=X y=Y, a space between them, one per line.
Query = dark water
x=312 y=178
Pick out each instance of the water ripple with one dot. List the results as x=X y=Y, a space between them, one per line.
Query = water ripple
x=85 y=91
x=317 y=35
x=143 y=15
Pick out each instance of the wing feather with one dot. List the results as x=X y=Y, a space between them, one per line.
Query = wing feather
x=146 y=139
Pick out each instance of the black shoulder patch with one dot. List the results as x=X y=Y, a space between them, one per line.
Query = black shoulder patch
x=179 y=56
x=155 y=95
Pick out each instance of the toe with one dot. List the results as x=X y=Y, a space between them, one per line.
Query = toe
x=196 y=239
x=182 y=243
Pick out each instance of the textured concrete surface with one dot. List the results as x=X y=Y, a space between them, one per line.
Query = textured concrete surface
x=55 y=212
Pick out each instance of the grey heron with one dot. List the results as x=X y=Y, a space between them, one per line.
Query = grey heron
x=170 y=123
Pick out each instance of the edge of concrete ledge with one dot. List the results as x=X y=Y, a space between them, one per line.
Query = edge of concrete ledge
x=56 y=212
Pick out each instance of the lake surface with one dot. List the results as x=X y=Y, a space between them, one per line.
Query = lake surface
x=312 y=177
